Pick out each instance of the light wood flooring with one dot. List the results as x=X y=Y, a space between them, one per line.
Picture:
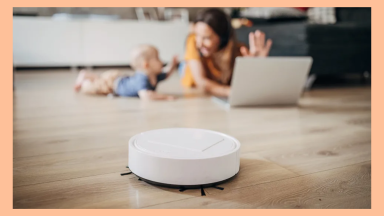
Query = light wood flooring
x=69 y=149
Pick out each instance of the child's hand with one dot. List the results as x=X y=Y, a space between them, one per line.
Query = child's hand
x=152 y=95
x=170 y=98
x=175 y=61
x=171 y=66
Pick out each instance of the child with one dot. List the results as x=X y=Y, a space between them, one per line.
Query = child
x=145 y=61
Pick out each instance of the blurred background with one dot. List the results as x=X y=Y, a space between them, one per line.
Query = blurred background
x=338 y=39
x=69 y=148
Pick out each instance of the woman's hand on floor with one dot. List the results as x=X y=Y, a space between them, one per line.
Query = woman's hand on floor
x=258 y=47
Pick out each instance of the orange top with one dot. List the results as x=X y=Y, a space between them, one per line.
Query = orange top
x=192 y=53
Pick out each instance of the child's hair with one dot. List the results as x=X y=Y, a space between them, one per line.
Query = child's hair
x=141 y=53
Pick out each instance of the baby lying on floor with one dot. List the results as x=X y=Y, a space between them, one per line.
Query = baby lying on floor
x=148 y=72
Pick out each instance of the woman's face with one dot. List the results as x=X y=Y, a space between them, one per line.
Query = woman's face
x=207 y=41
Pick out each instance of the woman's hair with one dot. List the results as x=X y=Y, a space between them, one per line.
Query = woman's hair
x=219 y=22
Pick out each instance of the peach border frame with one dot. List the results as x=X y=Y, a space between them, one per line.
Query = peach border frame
x=7 y=109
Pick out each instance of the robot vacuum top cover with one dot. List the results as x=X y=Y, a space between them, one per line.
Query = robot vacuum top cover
x=184 y=156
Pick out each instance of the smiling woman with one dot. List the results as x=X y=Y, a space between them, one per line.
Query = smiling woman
x=211 y=50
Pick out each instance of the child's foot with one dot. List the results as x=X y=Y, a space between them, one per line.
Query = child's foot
x=80 y=79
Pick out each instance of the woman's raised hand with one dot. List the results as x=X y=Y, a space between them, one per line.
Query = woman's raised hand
x=258 y=47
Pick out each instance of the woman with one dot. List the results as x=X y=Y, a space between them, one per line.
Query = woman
x=211 y=51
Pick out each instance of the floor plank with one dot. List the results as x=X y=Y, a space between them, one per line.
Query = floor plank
x=113 y=191
x=69 y=148
x=348 y=187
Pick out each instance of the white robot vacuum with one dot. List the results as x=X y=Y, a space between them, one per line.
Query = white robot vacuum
x=184 y=158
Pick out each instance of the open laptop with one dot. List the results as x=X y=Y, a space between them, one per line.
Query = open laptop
x=267 y=81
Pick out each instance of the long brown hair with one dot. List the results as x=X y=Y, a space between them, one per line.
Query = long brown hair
x=220 y=23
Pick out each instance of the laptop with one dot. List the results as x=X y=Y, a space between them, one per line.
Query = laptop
x=267 y=81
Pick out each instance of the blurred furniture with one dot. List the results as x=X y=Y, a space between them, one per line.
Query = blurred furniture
x=146 y=13
x=176 y=14
x=337 y=49
x=45 y=42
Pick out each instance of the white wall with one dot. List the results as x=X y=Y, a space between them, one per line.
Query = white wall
x=42 y=41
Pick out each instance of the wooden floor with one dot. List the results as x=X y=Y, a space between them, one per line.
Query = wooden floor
x=69 y=149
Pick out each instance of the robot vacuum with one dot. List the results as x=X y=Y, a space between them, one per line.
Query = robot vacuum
x=184 y=158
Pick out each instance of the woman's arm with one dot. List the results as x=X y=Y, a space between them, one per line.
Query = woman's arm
x=204 y=83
